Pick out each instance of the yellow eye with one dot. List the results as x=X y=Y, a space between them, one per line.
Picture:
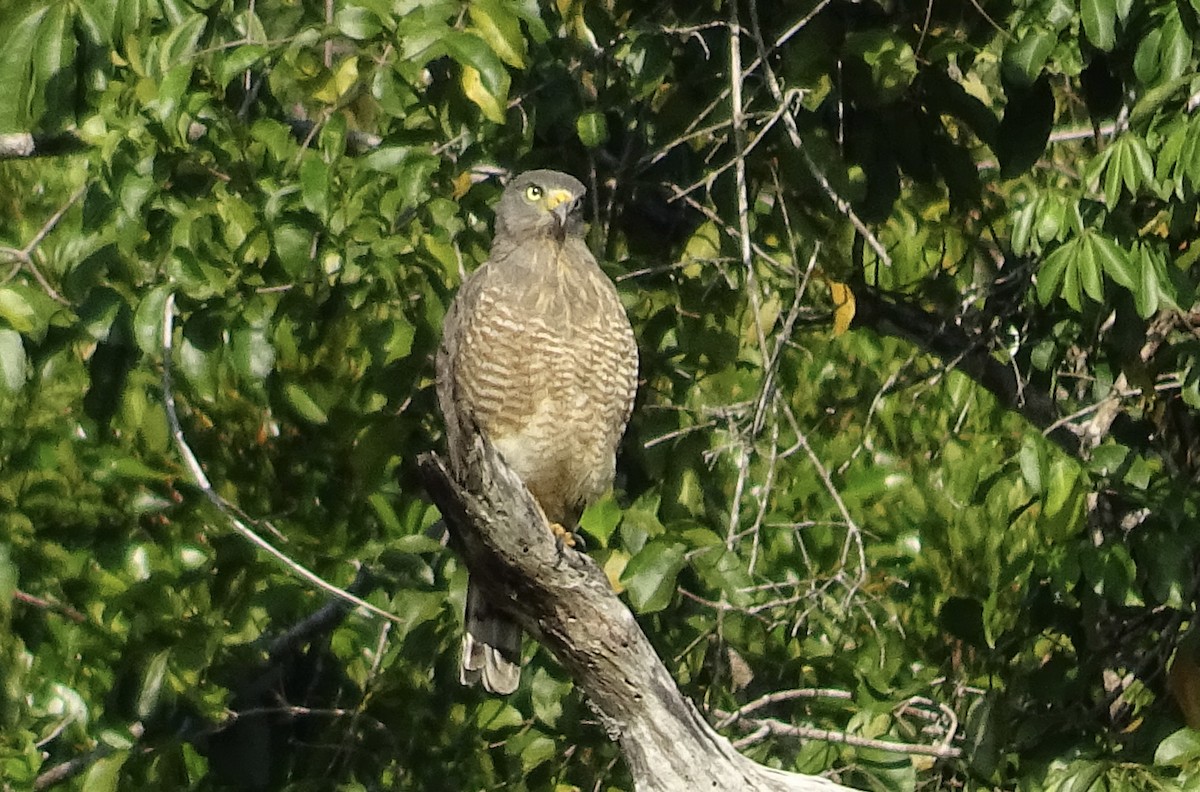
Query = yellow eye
x=533 y=193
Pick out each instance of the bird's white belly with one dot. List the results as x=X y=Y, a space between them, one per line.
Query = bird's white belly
x=564 y=466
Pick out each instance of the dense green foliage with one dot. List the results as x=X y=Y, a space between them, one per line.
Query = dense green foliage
x=972 y=512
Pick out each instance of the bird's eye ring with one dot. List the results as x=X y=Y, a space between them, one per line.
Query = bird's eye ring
x=533 y=192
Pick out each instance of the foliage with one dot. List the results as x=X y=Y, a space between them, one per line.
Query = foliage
x=970 y=513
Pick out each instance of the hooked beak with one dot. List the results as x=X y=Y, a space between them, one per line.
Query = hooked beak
x=560 y=203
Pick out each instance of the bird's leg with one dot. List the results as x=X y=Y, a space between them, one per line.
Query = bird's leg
x=562 y=535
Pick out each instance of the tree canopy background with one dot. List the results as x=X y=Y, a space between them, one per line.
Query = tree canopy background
x=915 y=451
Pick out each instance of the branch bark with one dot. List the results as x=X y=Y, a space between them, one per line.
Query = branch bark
x=563 y=599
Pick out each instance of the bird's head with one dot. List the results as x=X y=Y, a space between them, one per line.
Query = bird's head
x=541 y=203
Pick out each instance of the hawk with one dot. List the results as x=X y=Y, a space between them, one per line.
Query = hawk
x=536 y=352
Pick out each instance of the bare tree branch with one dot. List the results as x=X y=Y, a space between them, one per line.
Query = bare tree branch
x=563 y=598
x=761 y=727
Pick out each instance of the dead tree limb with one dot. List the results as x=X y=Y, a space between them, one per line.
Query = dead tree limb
x=563 y=599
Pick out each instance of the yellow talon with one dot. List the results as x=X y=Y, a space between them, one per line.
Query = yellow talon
x=564 y=535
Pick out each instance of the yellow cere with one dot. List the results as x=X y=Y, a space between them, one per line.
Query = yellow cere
x=557 y=198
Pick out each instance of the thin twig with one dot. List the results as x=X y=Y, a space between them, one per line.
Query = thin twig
x=779 y=728
x=194 y=467
x=854 y=534
x=24 y=256
x=49 y=605
x=786 y=99
x=780 y=696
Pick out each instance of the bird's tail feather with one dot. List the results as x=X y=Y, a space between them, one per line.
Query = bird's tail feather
x=491 y=650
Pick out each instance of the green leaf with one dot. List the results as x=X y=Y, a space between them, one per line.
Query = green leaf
x=1111 y=161
x=601 y=518
x=237 y=61
x=12 y=360
x=1060 y=485
x=1112 y=574
x=1071 y=291
x=304 y=404
x=1099 y=22
x=547 y=695
x=1050 y=274
x=1175 y=53
x=1025 y=56
x=485 y=81
x=890 y=58
x=1090 y=275
x=1085 y=776
x=496 y=23
x=387 y=159
x=534 y=750
x=1114 y=260
x=170 y=95
x=649 y=577
x=253 y=354
x=531 y=14
x=17 y=310
x=314 y=184
x=104 y=775
x=983 y=735
x=1141 y=165
x=592 y=129
x=1180 y=749
x=152 y=682
x=53 y=54
x=148 y=320
x=16 y=58
x=1147 y=61
x=497 y=715
x=293 y=245
x=181 y=43
x=357 y=23
x=1022 y=228
x=1145 y=298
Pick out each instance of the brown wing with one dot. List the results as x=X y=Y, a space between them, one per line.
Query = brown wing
x=536 y=352
x=487 y=361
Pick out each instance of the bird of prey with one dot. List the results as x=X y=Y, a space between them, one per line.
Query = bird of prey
x=537 y=352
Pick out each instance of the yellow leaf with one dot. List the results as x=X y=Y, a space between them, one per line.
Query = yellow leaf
x=614 y=567
x=704 y=247
x=572 y=16
x=491 y=105
x=339 y=83
x=498 y=26
x=461 y=184
x=843 y=307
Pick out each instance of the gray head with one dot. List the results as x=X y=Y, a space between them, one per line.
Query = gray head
x=540 y=203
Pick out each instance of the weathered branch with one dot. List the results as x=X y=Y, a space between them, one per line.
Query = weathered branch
x=563 y=598
x=770 y=726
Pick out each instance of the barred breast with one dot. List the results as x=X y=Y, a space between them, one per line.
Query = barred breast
x=545 y=363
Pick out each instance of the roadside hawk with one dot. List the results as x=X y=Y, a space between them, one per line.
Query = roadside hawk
x=536 y=352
